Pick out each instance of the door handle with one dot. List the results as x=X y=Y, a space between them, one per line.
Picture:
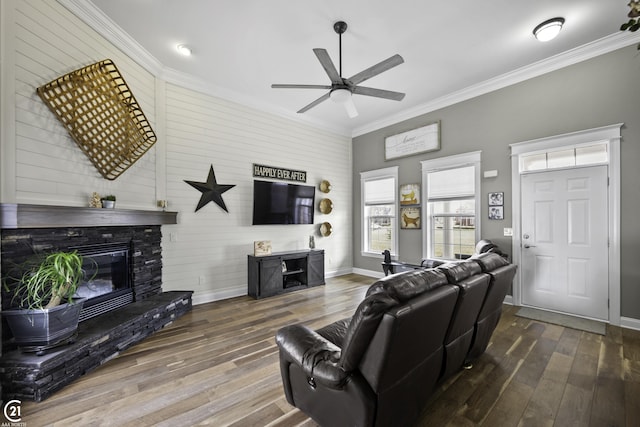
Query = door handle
x=527 y=246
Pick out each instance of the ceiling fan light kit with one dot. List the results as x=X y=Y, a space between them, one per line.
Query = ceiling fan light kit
x=341 y=90
x=549 y=29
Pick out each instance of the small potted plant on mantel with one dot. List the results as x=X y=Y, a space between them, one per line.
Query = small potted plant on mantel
x=109 y=201
x=47 y=313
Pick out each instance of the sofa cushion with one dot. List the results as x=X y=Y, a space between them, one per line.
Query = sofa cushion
x=490 y=261
x=336 y=331
x=409 y=284
x=458 y=271
x=362 y=327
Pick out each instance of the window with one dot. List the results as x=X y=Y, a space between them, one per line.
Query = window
x=589 y=154
x=379 y=207
x=452 y=188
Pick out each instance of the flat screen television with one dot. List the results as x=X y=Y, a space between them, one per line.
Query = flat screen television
x=282 y=203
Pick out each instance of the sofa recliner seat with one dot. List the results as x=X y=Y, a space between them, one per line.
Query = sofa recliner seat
x=412 y=330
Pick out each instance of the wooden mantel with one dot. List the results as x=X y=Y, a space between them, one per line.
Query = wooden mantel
x=13 y=216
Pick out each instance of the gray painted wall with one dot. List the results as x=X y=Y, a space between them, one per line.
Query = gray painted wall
x=601 y=91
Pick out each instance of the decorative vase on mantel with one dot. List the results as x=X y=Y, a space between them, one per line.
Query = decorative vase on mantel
x=109 y=202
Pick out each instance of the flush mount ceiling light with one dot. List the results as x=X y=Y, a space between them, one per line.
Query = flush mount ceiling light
x=549 y=29
x=183 y=50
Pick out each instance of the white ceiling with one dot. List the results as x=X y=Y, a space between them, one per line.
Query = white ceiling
x=451 y=49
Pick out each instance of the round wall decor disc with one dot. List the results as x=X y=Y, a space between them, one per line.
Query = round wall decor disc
x=325 y=229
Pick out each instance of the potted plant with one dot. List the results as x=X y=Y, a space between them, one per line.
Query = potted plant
x=633 y=24
x=46 y=314
x=109 y=201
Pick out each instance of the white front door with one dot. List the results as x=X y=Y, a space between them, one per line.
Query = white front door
x=564 y=254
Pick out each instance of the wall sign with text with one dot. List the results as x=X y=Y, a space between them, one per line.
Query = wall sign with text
x=263 y=171
x=421 y=140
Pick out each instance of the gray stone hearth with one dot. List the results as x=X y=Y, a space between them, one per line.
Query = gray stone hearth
x=28 y=228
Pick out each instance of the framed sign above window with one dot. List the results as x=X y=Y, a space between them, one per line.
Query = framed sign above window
x=421 y=140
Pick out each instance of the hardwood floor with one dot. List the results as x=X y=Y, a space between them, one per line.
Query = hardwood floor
x=218 y=365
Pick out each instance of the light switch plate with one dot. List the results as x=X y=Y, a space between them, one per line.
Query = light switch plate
x=508 y=232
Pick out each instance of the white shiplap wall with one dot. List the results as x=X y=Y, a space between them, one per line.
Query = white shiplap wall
x=206 y=251
x=47 y=41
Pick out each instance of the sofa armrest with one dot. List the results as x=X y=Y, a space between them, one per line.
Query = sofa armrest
x=317 y=356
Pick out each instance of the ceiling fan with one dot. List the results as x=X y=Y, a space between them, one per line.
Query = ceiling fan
x=341 y=89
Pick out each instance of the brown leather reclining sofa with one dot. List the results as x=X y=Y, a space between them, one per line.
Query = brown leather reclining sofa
x=412 y=331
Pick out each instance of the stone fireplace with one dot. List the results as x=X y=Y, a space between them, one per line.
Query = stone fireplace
x=125 y=302
x=107 y=285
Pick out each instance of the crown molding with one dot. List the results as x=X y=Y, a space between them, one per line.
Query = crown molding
x=189 y=81
x=96 y=19
x=582 y=53
x=105 y=26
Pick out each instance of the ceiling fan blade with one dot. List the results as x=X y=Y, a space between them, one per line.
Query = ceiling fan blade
x=314 y=103
x=376 y=69
x=327 y=64
x=378 y=93
x=285 y=86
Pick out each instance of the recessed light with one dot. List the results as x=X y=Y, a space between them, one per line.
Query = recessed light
x=549 y=29
x=184 y=50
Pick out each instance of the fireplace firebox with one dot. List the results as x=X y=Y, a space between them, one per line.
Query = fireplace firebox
x=108 y=278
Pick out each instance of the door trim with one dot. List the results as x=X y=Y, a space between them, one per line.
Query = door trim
x=611 y=134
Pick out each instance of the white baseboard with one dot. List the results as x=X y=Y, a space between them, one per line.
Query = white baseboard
x=370 y=273
x=337 y=273
x=239 y=291
x=218 y=294
x=630 y=323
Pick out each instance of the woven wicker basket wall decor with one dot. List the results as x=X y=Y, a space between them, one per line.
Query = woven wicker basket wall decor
x=97 y=108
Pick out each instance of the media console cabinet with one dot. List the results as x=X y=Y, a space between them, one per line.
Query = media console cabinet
x=285 y=272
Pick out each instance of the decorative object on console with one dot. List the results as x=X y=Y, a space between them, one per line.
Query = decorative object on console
x=410 y=194
x=326 y=206
x=415 y=141
x=325 y=186
x=109 y=201
x=262 y=248
x=325 y=229
x=102 y=116
x=410 y=218
x=211 y=191
x=312 y=242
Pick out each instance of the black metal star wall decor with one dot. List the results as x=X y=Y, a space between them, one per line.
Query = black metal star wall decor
x=211 y=191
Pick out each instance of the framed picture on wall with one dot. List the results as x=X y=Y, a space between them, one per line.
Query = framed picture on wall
x=410 y=194
x=410 y=218
x=496 y=212
x=496 y=199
